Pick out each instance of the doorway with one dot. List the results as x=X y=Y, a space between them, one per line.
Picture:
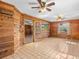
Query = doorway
x=28 y=31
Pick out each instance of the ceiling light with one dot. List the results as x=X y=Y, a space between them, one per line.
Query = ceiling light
x=43 y=0
x=43 y=9
x=59 y=17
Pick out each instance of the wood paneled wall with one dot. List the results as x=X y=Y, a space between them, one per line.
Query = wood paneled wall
x=74 y=28
x=18 y=29
x=10 y=29
x=42 y=33
x=6 y=35
x=41 y=30
x=6 y=31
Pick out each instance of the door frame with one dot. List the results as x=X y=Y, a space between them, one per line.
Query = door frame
x=32 y=30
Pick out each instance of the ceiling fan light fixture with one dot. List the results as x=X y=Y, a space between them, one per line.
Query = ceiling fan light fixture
x=43 y=9
x=43 y=6
x=60 y=17
x=43 y=0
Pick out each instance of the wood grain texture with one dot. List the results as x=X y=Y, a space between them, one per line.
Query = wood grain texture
x=74 y=28
x=9 y=40
x=6 y=35
x=40 y=31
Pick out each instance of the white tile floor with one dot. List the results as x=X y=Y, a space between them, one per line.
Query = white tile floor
x=49 y=48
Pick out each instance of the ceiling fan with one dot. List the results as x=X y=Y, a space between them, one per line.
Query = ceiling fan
x=43 y=5
x=60 y=17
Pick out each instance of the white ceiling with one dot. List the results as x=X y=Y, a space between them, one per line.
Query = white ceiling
x=68 y=8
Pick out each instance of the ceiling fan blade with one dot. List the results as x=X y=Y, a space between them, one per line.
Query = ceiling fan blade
x=50 y=4
x=40 y=2
x=48 y=9
x=35 y=7
x=33 y=3
x=39 y=11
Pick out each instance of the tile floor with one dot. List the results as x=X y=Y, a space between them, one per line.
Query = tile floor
x=48 y=48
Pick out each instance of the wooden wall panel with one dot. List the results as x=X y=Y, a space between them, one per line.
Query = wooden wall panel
x=53 y=29
x=12 y=28
x=42 y=34
x=6 y=6
x=39 y=31
x=10 y=25
x=74 y=28
x=6 y=35
x=17 y=28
